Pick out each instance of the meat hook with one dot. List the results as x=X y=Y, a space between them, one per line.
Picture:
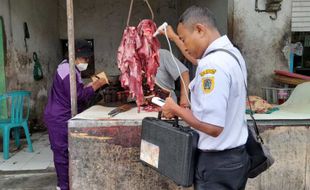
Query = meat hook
x=148 y=4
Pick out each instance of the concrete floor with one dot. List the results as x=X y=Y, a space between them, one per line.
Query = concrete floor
x=29 y=171
x=21 y=160
x=28 y=181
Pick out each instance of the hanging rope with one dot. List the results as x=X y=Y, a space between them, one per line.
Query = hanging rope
x=130 y=10
x=37 y=69
x=148 y=4
x=129 y=14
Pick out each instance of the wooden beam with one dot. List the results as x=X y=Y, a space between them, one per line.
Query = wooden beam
x=288 y=80
x=70 y=23
x=3 y=103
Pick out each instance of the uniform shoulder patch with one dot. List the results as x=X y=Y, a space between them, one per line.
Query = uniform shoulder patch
x=208 y=84
x=208 y=71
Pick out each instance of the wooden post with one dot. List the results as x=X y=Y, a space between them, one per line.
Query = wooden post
x=3 y=103
x=70 y=23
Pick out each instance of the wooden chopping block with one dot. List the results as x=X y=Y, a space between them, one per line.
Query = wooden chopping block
x=288 y=80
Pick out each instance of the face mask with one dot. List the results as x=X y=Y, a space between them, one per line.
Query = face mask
x=82 y=66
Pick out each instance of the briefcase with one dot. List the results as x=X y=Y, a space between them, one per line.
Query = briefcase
x=170 y=149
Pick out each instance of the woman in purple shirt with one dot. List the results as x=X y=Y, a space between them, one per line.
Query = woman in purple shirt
x=58 y=109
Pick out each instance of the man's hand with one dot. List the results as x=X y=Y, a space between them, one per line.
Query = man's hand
x=169 y=107
x=176 y=39
x=184 y=90
x=184 y=102
x=170 y=32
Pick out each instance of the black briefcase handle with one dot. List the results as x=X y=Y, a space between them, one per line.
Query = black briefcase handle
x=174 y=124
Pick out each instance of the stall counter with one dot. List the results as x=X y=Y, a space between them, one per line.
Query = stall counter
x=104 y=154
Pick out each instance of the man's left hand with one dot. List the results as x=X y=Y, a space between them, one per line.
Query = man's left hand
x=184 y=102
x=169 y=107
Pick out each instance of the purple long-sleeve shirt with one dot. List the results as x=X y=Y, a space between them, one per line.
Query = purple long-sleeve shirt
x=58 y=108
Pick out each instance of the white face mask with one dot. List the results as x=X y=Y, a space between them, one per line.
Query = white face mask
x=82 y=66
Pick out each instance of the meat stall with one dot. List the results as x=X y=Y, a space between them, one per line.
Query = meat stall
x=104 y=150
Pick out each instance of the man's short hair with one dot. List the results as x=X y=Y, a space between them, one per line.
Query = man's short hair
x=196 y=14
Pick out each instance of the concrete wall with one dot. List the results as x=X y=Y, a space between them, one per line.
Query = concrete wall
x=289 y=145
x=220 y=9
x=41 y=17
x=113 y=161
x=261 y=40
x=105 y=21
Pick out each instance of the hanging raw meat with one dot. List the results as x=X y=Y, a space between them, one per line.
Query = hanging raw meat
x=137 y=57
x=148 y=52
x=130 y=65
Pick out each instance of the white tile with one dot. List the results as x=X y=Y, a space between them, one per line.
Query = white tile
x=17 y=161
x=40 y=159
x=1 y=158
x=51 y=165
x=36 y=166
x=44 y=155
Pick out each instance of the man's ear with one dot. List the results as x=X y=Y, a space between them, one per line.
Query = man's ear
x=200 y=28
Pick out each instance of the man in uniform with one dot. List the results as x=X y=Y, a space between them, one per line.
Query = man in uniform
x=58 y=109
x=218 y=97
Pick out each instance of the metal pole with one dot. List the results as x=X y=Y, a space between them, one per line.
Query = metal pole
x=70 y=23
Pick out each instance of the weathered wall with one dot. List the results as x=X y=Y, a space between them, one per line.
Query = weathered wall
x=41 y=17
x=290 y=147
x=219 y=9
x=105 y=21
x=261 y=40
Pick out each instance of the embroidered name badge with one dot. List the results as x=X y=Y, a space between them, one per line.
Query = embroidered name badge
x=208 y=71
x=208 y=84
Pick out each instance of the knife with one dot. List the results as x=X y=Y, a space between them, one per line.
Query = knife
x=120 y=109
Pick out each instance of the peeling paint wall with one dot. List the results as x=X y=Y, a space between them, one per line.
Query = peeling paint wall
x=41 y=17
x=261 y=41
x=219 y=9
x=104 y=21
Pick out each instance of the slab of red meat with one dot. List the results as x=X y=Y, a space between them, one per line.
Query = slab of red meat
x=138 y=54
x=152 y=108
x=148 y=52
x=130 y=65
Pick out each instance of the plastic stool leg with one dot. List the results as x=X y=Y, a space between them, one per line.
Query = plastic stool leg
x=6 y=142
x=25 y=126
x=17 y=137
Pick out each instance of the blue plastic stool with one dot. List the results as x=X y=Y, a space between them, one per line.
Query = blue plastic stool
x=19 y=105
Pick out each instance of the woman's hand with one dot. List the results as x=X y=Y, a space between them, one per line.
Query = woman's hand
x=99 y=83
